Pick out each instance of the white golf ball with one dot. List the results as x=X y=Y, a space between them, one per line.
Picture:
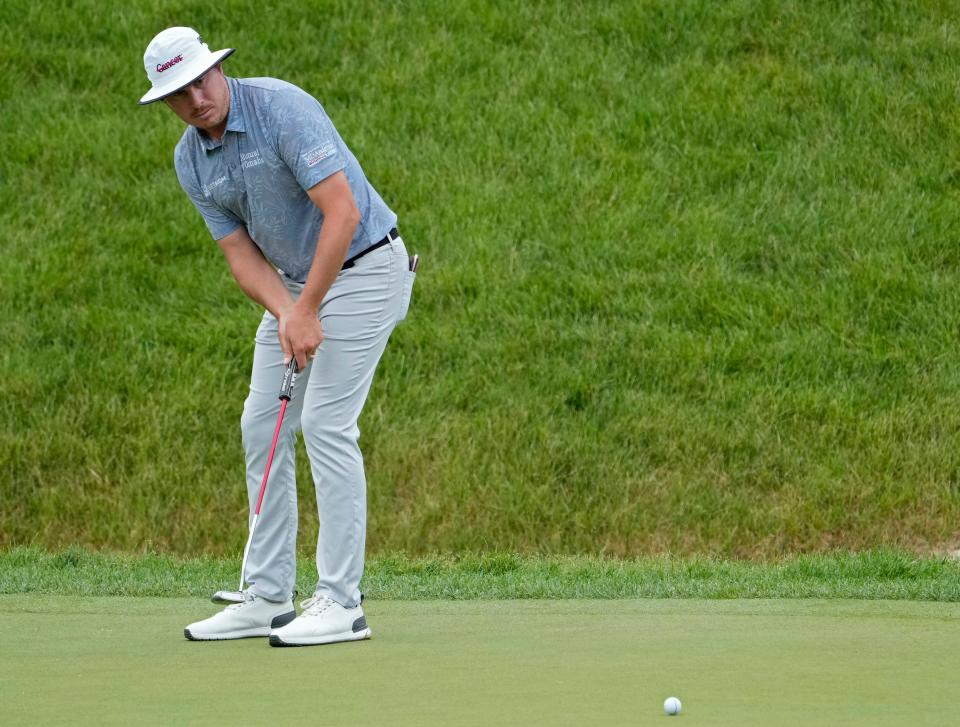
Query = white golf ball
x=672 y=705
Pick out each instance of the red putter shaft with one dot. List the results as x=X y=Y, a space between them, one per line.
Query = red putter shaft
x=286 y=392
x=273 y=449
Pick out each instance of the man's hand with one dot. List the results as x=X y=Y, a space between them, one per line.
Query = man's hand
x=300 y=334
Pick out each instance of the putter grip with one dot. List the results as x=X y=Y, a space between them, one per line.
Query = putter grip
x=289 y=376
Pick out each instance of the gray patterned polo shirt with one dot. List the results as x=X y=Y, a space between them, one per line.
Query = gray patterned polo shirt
x=279 y=142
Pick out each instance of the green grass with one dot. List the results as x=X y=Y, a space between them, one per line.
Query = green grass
x=690 y=278
x=871 y=575
x=121 y=661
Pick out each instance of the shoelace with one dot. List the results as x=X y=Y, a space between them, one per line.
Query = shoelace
x=248 y=598
x=315 y=605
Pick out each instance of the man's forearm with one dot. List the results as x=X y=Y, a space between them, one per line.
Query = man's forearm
x=259 y=279
x=332 y=245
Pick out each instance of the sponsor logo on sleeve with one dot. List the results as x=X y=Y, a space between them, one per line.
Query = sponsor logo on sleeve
x=318 y=154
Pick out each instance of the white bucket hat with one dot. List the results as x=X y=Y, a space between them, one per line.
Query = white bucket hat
x=175 y=58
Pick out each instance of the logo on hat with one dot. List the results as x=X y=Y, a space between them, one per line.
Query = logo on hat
x=175 y=58
x=161 y=67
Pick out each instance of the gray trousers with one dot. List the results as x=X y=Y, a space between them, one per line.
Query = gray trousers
x=358 y=314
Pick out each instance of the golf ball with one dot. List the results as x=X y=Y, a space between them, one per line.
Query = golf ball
x=671 y=705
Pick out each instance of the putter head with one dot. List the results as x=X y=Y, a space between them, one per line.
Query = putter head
x=228 y=597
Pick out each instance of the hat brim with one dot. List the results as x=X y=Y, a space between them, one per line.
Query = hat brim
x=158 y=92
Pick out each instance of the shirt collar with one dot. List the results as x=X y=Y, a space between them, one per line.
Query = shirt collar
x=235 y=120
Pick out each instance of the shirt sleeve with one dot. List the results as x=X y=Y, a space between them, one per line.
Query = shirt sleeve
x=220 y=222
x=307 y=141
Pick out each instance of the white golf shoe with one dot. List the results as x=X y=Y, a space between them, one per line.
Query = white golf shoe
x=254 y=616
x=322 y=621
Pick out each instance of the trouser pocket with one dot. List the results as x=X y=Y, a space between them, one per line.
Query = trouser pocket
x=408 y=278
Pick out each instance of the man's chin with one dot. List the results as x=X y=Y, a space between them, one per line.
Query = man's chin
x=207 y=125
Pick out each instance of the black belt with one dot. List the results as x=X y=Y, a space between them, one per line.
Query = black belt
x=391 y=236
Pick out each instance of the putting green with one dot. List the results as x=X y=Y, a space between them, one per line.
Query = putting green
x=125 y=661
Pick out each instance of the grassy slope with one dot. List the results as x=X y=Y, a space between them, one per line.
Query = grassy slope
x=690 y=278
x=871 y=575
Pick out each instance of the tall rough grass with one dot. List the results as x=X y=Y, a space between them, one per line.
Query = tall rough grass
x=690 y=276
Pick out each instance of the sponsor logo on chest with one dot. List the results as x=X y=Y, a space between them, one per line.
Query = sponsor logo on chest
x=208 y=188
x=251 y=159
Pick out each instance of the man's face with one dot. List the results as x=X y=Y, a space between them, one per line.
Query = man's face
x=205 y=103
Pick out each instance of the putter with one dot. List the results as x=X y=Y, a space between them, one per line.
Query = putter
x=286 y=392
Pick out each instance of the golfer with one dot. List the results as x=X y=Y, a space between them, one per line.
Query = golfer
x=308 y=238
